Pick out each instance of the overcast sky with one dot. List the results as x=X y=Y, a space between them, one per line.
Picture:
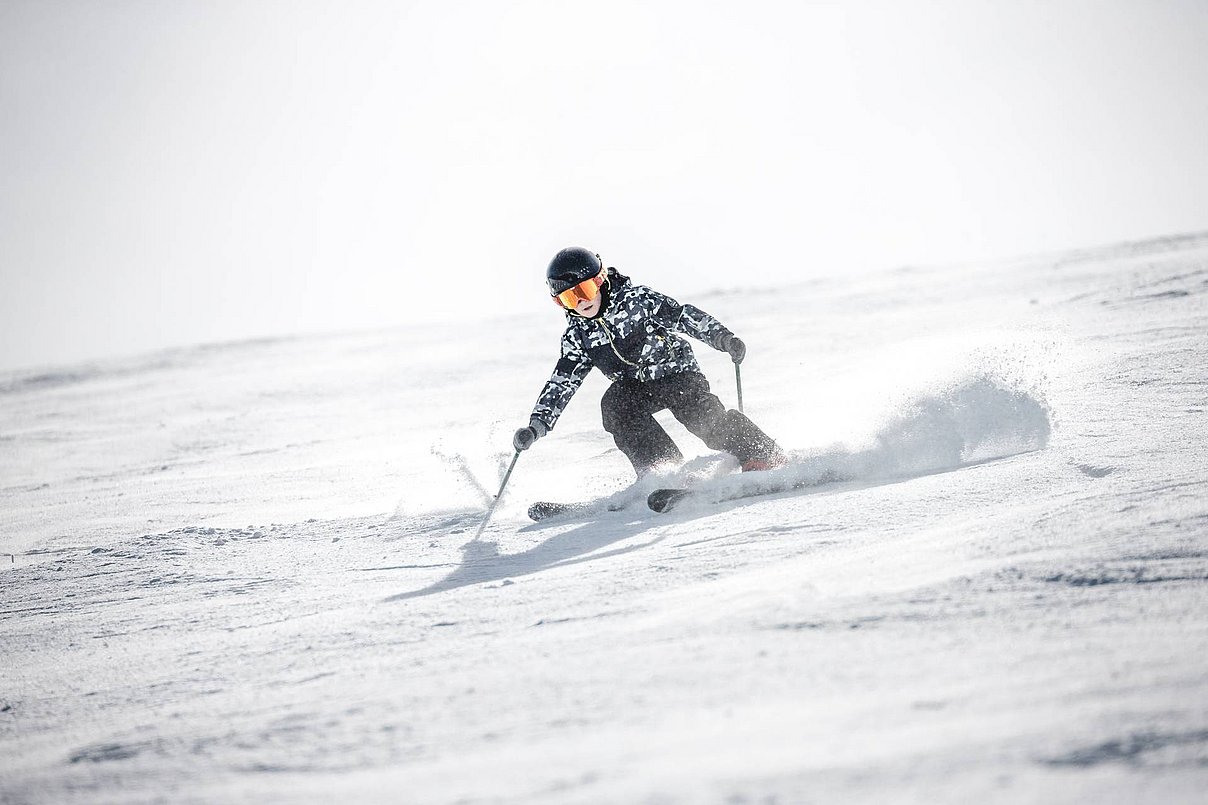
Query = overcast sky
x=175 y=172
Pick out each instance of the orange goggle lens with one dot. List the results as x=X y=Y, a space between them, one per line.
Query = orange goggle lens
x=585 y=291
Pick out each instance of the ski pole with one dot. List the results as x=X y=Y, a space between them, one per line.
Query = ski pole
x=738 y=381
x=491 y=510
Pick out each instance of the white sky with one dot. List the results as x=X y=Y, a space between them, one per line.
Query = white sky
x=174 y=172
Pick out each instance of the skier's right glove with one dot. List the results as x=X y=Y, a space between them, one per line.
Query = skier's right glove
x=525 y=437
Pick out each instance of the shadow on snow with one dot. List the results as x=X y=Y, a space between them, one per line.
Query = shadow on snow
x=481 y=561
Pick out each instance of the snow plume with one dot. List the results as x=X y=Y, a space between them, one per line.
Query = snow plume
x=977 y=420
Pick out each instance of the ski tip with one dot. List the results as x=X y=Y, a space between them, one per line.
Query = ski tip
x=662 y=500
x=540 y=510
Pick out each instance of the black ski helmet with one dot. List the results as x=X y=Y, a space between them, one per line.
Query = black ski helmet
x=570 y=267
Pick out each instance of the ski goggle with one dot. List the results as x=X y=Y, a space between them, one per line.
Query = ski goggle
x=585 y=291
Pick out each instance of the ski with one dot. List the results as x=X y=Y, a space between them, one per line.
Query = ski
x=664 y=500
x=544 y=509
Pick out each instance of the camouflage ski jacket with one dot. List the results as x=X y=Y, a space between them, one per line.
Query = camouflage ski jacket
x=634 y=337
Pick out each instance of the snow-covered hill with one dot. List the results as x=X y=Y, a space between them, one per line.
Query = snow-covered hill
x=246 y=572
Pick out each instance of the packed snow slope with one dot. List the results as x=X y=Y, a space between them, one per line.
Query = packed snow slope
x=247 y=572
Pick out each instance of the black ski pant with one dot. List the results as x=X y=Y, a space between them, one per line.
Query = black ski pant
x=629 y=406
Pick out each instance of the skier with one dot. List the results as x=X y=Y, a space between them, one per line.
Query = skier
x=629 y=332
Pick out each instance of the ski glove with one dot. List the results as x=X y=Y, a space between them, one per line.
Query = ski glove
x=735 y=346
x=525 y=437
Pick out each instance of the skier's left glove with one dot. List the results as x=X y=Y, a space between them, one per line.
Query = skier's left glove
x=524 y=438
x=735 y=346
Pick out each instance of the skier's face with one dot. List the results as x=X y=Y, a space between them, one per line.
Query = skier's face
x=589 y=307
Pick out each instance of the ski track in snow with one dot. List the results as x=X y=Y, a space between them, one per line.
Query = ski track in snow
x=1000 y=591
